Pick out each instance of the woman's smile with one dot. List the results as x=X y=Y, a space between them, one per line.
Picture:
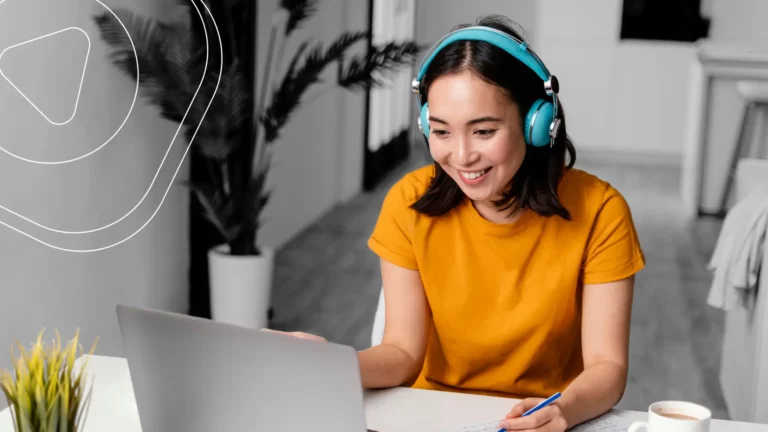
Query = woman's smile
x=472 y=178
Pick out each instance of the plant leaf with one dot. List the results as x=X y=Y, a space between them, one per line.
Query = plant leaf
x=295 y=83
x=299 y=11
x=256 y=199
x=163 y=53
x=220 y=133
x=217 y=209
x=52 y=416
x=366 y=71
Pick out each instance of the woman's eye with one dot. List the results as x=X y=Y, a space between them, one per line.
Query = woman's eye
x=485 y=132
x=439 y=133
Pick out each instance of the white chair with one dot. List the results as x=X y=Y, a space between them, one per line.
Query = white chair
x=377 y=333
x=744 y=361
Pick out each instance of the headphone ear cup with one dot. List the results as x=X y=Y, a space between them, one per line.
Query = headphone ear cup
x=537 y=123
x=424 y=120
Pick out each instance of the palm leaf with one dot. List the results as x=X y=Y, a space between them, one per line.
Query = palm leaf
x=163 y=53
x=365 y=71
x=299 y=12
x=295 y=83
x=220 y=132
x=221 y=211
x=256 y=197
x=211 y=201
x=172 y=72
x=148 y=37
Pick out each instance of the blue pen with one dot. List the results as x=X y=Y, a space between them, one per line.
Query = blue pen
x=541 y=405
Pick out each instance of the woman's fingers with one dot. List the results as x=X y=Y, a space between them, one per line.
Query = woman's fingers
x=548 y=416
x=302 y=335
x=523 y=406
x=297 y=334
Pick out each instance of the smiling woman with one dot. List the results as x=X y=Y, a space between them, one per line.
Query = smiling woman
x=505 y=270
x=480 y=99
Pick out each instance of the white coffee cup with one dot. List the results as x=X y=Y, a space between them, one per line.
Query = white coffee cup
x=674 y=416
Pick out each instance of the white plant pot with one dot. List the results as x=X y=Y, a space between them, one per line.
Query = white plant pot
x=241 y=286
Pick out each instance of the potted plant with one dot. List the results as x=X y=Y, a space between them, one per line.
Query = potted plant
x=44 y=392
x=235 y=143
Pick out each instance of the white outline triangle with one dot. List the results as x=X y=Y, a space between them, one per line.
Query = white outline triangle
x=79 y=89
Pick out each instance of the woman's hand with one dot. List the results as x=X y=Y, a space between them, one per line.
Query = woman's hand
x=547 y=419
x=300 y=335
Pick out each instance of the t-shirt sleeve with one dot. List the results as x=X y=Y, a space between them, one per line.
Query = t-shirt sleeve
x=392 y=235
x=613 y=250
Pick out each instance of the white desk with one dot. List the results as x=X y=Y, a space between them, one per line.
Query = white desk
x=113 y=407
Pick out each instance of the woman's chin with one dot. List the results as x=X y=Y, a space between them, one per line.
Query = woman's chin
x=475 y=194
x=476 y=191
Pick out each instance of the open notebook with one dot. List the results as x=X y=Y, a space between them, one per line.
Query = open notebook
x=606 y=423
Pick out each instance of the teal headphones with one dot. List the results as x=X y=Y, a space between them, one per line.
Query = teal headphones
x=541 y=122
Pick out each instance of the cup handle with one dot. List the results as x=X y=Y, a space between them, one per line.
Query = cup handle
x=637 y=425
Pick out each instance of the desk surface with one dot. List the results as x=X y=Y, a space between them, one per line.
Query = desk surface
x=113 y=407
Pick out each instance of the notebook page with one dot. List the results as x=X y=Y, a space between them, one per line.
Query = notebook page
x=481 y=427
x=605 y=423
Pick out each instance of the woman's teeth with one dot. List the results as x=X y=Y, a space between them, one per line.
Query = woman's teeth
x=473 y=175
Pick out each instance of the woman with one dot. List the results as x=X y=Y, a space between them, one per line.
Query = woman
x=505 y=271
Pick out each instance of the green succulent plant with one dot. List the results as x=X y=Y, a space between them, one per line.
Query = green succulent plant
x=44 y=391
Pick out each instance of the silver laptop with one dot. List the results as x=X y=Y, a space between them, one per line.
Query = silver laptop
x=195 y=375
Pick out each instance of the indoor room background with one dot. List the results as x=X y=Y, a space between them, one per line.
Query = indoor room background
x=628 y=98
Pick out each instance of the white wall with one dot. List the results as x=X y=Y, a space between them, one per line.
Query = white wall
x=318 y=159
x=742 y=20
x=434 y=18
x=42 y=287
x=623 y=99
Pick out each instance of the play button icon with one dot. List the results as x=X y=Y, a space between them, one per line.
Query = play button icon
x=53 y=93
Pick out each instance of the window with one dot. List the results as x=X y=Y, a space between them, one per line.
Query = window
x=669 y=20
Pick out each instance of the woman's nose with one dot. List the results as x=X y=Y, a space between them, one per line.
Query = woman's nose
x=465 y=152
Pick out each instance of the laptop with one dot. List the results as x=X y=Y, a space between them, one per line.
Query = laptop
x=195 y=375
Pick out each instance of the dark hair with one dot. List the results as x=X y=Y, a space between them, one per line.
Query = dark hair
x=534 y=186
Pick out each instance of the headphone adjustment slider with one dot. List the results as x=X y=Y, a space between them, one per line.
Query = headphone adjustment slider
x=554 y=128
x=552 y=85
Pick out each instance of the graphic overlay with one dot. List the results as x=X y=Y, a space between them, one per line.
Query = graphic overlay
x=130 y=110
x=181 y=124
x=13 y=48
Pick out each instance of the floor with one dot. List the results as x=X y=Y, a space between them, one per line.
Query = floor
x=327 y=282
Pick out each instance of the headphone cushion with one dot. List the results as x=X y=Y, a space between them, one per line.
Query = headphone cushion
x=537 y=123
x=424 y=117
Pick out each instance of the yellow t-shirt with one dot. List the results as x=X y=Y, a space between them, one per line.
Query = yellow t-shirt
x=505 y=298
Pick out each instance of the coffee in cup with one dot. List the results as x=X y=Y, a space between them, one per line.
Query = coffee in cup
x=674 y=416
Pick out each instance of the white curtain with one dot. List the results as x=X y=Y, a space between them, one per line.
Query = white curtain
x=390 y=109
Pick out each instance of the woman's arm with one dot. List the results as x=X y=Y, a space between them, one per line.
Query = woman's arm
x=399 y=357
x=606 y=315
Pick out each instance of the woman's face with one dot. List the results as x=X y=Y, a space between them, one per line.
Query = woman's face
x=475 y=134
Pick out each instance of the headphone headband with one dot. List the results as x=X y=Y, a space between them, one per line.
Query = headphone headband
x=515 y=47
x=542 y=122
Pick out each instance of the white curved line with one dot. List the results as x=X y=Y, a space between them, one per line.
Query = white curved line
x=162 y=162
x=170 y=184
x=81 y=78
x=135 y=94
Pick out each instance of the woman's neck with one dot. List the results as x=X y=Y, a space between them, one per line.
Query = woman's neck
x=489 y=212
